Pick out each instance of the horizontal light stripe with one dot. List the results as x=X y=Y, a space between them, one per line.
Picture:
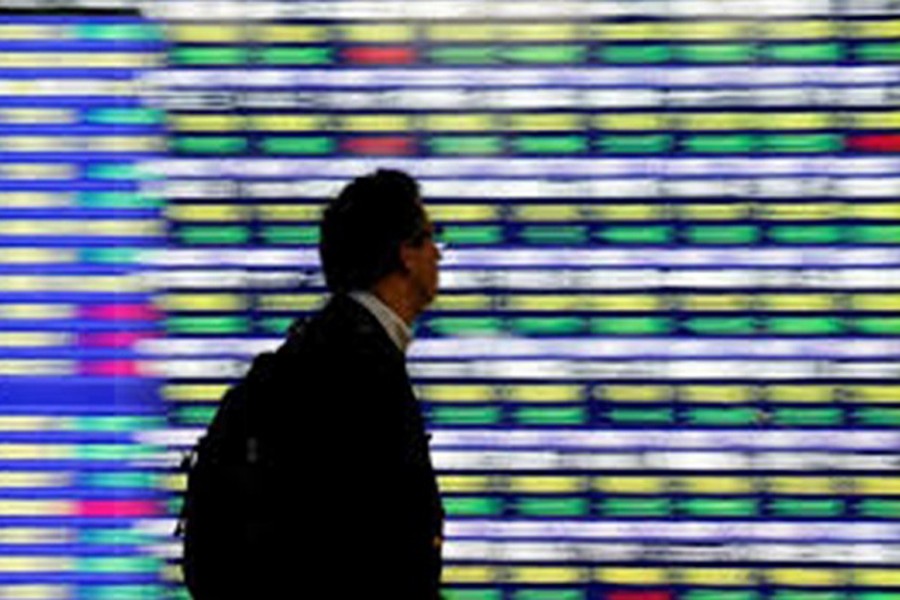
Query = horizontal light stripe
x=768 y=121
x=719 y=531
x=35 y=256
x=876 y=577
x=37 y=116
x=98 y=143
x=543 y=213
x=35 y=339
x=31 y=564
x=35 y=508
x=457 y=393
x=488 y=348
x=289 y=122
x=801 y=393
x=631 y=575
x=194 y=392
x=471 y=10
x=804 y=577
x=543 y=393
x=462 y=302
x=284 y=212
x=566 y=370
x=663 y=348
x=564 y=96
x=713 y=485
x=560 y=260
x=203 y=302
x=82 y=283
x=73 y=87
x=34 y=32
x=634 y=393
x=37 y=368
x=206 y=123
x=795 y=462
x=545 y=485
x=381 y=33
x=611 y=439
x=290 y=302
x=547 y=575
x=37 y=591
x=875 y=394
x=806 y=29
x=36 y=451
x=32 y=171
x=726 y=394
x=225 y=213
x=663 y=183
x=629 y=485
x=846 y=554
x=462 y=484
x=459 y=574
x=297 y=34
x=36 y=535
x=35 y=199
x=81 y=60
x=887 y=28
x=173 y=482
x=92 y=228
x=566 y=76
x=463 y=213
x=796 y=302
x=32 y=479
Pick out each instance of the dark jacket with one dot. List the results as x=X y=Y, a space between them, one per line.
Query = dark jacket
x=357 y=504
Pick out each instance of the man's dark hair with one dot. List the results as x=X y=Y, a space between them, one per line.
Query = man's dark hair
x=363 y=227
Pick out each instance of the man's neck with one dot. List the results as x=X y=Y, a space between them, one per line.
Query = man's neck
x=399 y=332
x=397 y=299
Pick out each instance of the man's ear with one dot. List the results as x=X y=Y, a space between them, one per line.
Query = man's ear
x=406 y=257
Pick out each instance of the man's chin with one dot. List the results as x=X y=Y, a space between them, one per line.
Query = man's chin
x=429 y=297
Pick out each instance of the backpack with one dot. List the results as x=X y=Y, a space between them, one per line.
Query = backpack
x=227 y=472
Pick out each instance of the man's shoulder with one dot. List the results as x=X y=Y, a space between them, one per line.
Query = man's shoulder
x=341 y=325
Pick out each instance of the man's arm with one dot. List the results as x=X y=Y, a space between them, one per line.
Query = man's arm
x=391 y=500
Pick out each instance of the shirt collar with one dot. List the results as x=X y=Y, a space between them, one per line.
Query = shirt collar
x=396 y=328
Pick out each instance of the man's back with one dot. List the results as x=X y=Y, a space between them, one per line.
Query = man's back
x=356 y=495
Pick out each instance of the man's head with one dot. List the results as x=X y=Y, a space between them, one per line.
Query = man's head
x=376 y=233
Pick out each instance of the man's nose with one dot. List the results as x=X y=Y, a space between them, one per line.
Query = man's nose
x=440 y=247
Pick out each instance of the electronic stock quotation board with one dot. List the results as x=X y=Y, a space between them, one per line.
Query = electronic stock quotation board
x=663 y=364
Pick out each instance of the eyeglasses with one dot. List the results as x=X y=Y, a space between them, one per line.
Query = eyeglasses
x=418 y=239
x=427 y=234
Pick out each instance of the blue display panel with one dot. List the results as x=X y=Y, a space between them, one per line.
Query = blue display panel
x=79 y=485
x=663 y=363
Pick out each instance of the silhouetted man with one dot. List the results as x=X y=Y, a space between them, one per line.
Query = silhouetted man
x=357 y=511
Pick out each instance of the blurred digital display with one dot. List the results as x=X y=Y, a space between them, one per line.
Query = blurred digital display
x=78 y=485
x=664 y=361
